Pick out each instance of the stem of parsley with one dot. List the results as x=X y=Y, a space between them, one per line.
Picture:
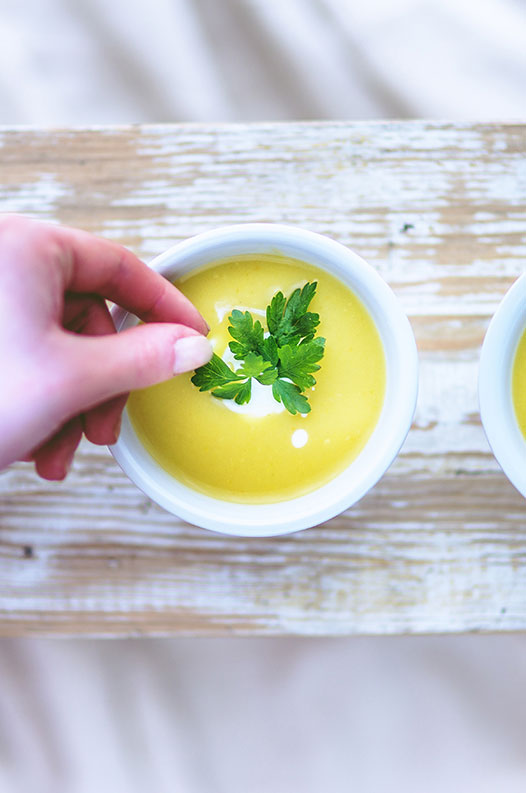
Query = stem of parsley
x=285 y=359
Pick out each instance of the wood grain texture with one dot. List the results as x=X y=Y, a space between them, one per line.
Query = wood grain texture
x=439 y=544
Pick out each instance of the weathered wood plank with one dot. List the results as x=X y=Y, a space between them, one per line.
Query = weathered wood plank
x=440 y=543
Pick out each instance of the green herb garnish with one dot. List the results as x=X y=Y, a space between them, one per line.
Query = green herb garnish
x=285 y=359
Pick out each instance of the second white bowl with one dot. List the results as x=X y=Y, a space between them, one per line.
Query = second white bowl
x=497 y=411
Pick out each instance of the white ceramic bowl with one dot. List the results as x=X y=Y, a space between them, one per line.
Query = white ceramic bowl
x=395 y=418
x=495 y=373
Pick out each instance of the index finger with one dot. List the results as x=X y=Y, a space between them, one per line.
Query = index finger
x=99 y=266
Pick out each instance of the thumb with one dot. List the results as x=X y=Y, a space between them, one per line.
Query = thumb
x=101 y=367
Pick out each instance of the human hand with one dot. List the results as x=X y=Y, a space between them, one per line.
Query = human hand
x=63 y=369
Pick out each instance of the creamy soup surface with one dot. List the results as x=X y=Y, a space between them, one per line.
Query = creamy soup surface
x=260 y=453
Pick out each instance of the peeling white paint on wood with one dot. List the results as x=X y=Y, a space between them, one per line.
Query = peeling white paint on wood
x=40 y=194
x=440 y=543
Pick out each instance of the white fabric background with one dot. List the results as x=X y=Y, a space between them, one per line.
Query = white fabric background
x=373 y=715
x=424 y=715
x=85 y=61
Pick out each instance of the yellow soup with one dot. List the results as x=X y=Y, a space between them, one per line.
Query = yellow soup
x=260 y=453
x=518 y=383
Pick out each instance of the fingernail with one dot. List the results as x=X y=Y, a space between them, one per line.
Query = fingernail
x=191 y=352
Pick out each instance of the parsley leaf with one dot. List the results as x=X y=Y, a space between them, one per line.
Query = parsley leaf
x=270 y=350
x=215 y=373
x=284 y=359
x=224 y=383
x=268 y=376
x=288 y=320
x=253 y=366
x=258 y=367
x=239 y=392
x=248 y=334
x=297 y=363
x=291 y=396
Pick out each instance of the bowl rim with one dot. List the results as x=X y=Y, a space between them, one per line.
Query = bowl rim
x=497 y=411
x=368 y=467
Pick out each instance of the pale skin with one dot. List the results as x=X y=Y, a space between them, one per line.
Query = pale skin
x=64 y=371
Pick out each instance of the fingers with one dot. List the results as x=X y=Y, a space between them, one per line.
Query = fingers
x=95 y=369
x=98 y=266
x=93 y=265
x=87 y=314
x=67 y=373
x=54 y=457
x=102 y=423
x=90 y=315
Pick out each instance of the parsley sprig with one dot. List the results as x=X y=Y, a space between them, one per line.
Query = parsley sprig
x=284 y=359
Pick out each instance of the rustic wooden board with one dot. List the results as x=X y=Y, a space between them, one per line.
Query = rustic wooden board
x=440 y=543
